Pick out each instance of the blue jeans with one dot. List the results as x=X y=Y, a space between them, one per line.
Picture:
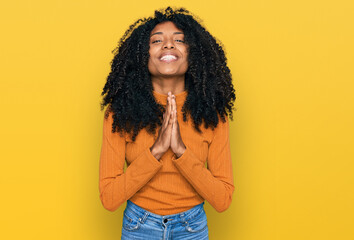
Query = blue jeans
x=140 y=224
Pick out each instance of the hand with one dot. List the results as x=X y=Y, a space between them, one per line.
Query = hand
x=163 y=140
x=177 y=144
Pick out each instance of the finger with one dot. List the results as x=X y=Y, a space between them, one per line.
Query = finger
x=169 y=104
x=168 y=111
x=173 y=102
x=170 y=101
x=172 y=106
x=174 y=109
x=175 y=117
x=172 y=117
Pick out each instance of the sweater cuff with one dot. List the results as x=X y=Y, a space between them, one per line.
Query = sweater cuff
x=187 y=160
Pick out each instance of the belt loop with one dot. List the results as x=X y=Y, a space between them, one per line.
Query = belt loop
x=181 y=215
x=146 y=214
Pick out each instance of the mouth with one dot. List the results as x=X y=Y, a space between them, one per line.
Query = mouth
x=168 y=58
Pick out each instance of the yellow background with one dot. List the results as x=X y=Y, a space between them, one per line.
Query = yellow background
x=291 y=138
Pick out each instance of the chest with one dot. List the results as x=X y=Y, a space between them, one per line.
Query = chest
x=197 y=142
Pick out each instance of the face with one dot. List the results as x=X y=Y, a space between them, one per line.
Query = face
x=168 y=52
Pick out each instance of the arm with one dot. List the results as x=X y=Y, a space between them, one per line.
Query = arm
x=215 y=183
x=116 y=186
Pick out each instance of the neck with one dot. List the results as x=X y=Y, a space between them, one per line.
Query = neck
x=174 y=84
x=179 y=97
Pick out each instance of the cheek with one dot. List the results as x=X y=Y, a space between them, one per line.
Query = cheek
x=185 y=51
x=152 y=54
x=186 y=54
x=150 y=58
x=151 y=62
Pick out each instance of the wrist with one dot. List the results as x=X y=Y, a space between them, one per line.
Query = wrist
x=156 y=152
x=180 y=152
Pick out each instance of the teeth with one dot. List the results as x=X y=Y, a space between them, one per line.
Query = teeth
x=168 y=57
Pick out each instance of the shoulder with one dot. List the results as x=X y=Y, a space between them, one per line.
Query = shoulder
x=223 y=121
x=108 y=120
x=108 y=117
x=222 y=127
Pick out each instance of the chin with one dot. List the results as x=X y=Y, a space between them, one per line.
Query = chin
x=169 y=73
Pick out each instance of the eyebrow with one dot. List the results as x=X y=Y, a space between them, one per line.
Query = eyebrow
x=162 y=33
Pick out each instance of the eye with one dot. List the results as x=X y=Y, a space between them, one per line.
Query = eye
x=155 y=41
x=180 y=40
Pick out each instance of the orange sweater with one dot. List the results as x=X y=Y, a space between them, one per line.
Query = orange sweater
x=171 y=185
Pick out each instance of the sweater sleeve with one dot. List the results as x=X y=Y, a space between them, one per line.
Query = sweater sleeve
x=215 y=183
x=115 y=185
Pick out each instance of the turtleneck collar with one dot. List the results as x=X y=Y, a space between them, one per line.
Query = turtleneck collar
x=162 y=98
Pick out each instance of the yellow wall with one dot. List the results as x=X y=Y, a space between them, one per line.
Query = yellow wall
x=292 y=138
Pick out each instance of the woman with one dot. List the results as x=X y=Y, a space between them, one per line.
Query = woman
x=170 y=73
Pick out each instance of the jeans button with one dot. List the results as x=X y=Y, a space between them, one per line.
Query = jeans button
x=165 y=220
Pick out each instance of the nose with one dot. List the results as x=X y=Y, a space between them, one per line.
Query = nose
x=169 y=44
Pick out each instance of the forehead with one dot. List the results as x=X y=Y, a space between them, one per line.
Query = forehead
x=166 y=27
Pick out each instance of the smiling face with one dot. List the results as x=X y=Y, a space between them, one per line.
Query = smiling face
x=168 y=52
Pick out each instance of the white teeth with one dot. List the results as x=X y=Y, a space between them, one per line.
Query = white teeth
x=168 y=57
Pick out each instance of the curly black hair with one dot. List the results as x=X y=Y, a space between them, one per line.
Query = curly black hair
x=129 y=88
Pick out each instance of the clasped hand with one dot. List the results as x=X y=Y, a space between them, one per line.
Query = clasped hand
x=169 y=133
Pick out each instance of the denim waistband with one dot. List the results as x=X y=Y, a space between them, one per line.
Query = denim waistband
x=172 y=218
